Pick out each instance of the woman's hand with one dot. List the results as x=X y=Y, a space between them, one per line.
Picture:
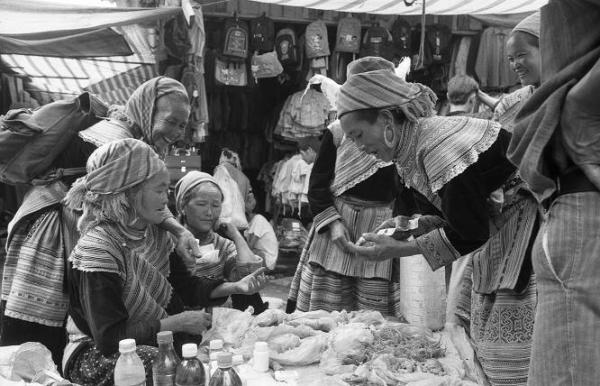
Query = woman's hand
x=252 y=283
x=229 y=230
x=380 y=248
x=339 y=235
x=191 y=322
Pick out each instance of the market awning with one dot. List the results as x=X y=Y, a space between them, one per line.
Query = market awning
x=30 y=27
x=434 y=7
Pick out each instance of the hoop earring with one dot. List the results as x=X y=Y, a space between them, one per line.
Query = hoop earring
x=389 y=142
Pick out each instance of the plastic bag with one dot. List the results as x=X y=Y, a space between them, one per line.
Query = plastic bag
x=291 y=233
x=233 y=208
x=307 y=353
x=230 y=325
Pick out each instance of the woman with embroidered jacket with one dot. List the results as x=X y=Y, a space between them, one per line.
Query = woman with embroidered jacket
x=455 y=162
x=43 y=232
x=122 y=282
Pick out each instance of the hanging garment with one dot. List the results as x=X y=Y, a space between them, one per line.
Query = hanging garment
x=492 y=64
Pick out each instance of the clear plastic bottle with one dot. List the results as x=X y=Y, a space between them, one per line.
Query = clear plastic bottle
x=165 y=364
x=225 y=374
x=190 y=372
x=129 y=370
x=214 y=349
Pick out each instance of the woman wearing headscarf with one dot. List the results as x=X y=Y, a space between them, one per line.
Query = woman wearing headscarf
x=556 y=145
x=350 y=193
x=456 y=163
x=122 y=283
x=43 y=232
x=199 y=199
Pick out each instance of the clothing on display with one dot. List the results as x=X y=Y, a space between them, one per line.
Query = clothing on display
x=492 y=65
x=304 y=114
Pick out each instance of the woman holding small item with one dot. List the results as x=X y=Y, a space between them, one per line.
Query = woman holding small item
x=199 y=200
x=456 y=163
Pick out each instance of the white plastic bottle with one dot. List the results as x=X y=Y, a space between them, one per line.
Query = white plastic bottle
x=129 y=370
x=261 y=357
x=214 y=349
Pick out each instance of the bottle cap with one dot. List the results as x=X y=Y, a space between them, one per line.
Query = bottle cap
x=238 y=359
x=261 y=346
x=216 y=344
x=225 y=359
x=127 y=345
x=189 y=350
x=164 y=337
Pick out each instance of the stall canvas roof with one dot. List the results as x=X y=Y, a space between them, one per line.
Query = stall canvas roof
x=433 y=7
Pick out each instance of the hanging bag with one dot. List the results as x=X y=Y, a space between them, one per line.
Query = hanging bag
x=262 y=34
x=401 y=35
x=377 y=42
x=286 y=47
x=236 y=41
x=30 y=140
x=348 y=35
x=230 y=73
x=316 y=40
x=266 y=65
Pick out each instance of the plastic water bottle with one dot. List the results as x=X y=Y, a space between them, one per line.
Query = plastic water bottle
x=165 y=364
x=225 y=375
x=190 y=372
x=214 y=349
x=129 y=370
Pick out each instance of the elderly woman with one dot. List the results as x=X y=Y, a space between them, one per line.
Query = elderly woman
x=122 y=282
x=455 y=162
x=42 y=233
x=199 y=199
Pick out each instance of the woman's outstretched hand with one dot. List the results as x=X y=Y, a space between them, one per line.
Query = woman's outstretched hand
x=376 y=247
x=252 y=283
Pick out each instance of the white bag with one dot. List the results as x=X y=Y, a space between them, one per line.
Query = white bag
x=234 y=207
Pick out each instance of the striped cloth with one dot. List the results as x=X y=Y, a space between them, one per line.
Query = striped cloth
x=382 y=88
x=360 y=217
x=32 y=281
x=143 y=267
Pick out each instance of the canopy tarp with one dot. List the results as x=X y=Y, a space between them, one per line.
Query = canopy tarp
x=433 y=7
x=30 y=27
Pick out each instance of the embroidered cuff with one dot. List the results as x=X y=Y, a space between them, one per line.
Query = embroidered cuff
x=325 y=218
x=437 y=249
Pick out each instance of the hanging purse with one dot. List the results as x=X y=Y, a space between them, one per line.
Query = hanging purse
x=231 y=73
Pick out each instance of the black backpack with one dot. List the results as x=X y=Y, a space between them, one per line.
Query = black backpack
x=377 y=42
x=402 y=38
x=262 y=34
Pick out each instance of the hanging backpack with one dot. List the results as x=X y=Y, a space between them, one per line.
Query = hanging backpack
x=439 y=39
x=286 y=47
x=377 y=42
x=348 y=35
x=316 y=40
x=236 y=41
x=262 y=34
x=30 y=140
x=401 y=35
